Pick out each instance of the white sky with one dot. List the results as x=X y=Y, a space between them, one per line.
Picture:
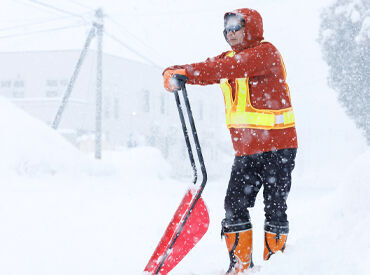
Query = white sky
x=167 y=31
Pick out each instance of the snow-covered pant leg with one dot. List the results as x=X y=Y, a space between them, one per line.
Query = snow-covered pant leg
x=273 y=171
x=276 y=175
x=244 y=184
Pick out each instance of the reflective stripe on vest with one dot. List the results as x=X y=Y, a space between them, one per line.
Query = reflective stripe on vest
x=241 y=114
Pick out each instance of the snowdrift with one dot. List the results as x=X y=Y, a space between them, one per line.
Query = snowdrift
x=329 y=230
x=30 y=148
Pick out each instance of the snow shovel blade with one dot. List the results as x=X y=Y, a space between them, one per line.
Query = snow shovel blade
x=181 y=235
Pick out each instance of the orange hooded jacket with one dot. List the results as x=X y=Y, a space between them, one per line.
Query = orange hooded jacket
x=262 y=63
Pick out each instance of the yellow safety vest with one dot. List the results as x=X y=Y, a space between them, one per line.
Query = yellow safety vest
x=241 y=114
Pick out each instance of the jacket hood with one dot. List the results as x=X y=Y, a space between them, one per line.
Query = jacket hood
x=253 y=28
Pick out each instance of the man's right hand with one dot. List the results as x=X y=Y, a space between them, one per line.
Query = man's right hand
x=169 y=82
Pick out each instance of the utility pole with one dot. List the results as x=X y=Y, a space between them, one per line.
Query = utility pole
x=99 y=25
x=72 y=81
x=96 y=29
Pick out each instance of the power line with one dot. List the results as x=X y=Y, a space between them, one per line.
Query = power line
x=56 y=9
x=133 y=50
x=42 y=31
x=81 y=5
x=28 y=4
x=74 y=26
x=170 y=13
x=36 y=23
x=121 y=27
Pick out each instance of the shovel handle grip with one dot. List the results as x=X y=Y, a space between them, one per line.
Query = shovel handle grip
x=182 y=81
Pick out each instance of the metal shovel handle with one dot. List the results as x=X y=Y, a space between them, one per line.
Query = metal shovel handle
x=181 y=79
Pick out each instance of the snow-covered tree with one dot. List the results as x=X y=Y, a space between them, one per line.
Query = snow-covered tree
x=345 y=42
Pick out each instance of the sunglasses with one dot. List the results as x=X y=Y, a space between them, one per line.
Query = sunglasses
x=233 y=28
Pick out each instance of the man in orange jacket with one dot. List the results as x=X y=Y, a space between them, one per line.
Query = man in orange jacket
x=260 y=118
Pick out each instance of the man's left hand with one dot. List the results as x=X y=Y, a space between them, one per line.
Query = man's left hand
x=169 y=82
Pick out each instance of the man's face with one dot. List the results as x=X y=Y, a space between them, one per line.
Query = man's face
x=234 y=28
x=235 y=38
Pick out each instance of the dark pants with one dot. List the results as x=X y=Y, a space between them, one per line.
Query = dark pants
x=272 y=170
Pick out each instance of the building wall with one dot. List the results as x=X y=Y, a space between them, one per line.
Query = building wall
x=136 y=110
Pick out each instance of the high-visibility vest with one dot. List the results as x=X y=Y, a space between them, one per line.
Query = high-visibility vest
x=241 y=114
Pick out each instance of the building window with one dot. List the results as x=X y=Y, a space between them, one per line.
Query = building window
x=146 y=101
x=107 y=108
x=51 y=83
x=18 y=83
x=163 y=105
x=18 y=88
x=116 y=108
x=55 y=86
x=51 y=93
x=18 y=93
x=6 y=84
x=63 y=82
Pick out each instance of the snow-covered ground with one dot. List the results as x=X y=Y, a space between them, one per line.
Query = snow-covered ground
x=64 y=213
x=61 y=212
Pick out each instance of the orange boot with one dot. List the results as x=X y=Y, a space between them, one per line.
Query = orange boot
x=239 y=245
x=273 y=243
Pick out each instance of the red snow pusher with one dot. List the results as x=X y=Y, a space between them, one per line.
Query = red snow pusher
x=191 y=218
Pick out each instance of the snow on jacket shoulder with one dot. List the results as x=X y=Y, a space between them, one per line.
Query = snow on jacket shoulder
x=257 y=61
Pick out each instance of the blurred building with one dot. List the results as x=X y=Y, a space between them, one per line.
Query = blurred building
x=136 y=110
